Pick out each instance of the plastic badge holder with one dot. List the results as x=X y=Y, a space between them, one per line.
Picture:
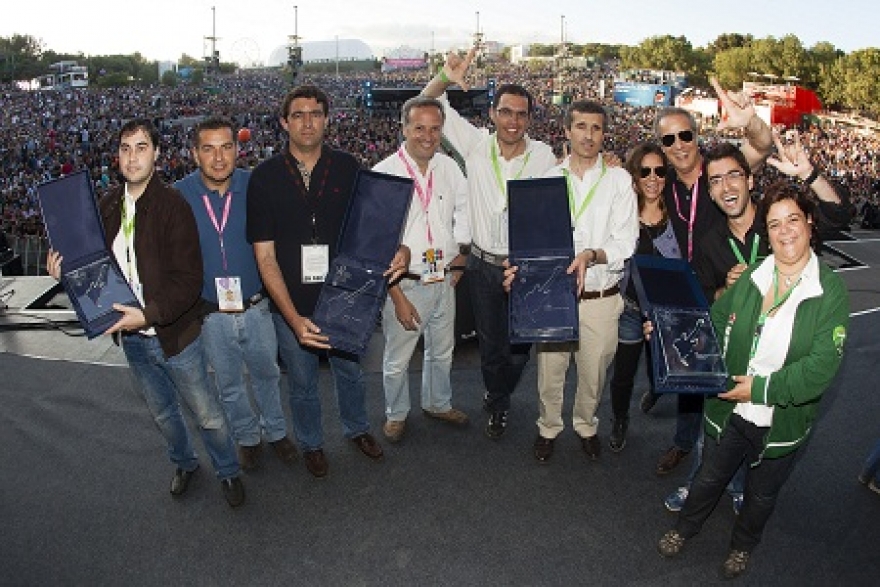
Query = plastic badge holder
x=543 y=297
x=686 y=354
x=90 y=275
x=354 y=290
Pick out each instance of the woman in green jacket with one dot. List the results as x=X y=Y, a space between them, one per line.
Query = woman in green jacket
x=781 y=328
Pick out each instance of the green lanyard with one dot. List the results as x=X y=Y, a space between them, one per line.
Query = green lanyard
x=571 y=193
x=128 y=234
x=497 y=167
x=753 y=257
x=762 y=318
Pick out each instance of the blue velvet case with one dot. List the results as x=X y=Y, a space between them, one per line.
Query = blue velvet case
x=354 y=290
x=543 y=297
x=686 y=354
x=89 y=273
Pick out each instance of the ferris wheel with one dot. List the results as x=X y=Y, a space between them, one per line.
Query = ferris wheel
x=246 y=53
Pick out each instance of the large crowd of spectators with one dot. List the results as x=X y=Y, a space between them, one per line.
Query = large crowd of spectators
x=44 y=135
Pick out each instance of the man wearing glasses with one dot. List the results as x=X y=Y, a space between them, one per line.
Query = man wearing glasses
x=296 y=205
x=692 y=213
x=492 y=159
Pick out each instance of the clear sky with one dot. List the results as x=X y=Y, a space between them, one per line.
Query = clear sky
x=165 y=29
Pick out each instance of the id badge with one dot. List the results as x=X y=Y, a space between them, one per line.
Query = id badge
x=315 y=263
x=229 y=294
x=435 y=266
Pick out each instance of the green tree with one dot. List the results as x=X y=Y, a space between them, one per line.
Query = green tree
x=662 y=52
x=731 y=66
x=854 y=81
x=726 y=41
x=170 y=78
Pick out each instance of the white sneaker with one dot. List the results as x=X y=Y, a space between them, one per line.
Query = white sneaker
x=675 y=500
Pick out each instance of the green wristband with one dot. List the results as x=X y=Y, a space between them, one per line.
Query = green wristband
x=443 y=77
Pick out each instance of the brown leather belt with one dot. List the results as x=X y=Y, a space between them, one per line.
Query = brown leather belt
x=595 y=295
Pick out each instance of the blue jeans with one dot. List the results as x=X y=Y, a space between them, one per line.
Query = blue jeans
x=688 y=421
x=302 y=379
x=231 y=342
x=183 y=378
x=740 y=441
x=435 y=304
x=502 y=363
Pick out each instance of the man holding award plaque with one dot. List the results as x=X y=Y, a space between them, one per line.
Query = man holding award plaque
x=423 y=302
x=605 y=224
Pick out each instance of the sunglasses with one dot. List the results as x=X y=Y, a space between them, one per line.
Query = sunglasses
x=685 y=136
x=660 y=172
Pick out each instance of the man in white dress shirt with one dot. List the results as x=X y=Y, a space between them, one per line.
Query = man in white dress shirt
x=605 y=224
x=423 y=302
x=491 y=160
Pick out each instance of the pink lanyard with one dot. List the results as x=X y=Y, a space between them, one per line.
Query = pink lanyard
x=424 y=196
x=219 y=227
x=695 y=192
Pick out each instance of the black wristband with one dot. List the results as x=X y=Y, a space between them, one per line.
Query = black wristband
x=464 y=249
x=814 y=175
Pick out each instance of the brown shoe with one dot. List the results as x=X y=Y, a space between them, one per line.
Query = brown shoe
x=393 y=430
x=249 y=456
x=284 y=450
x=368 y=445
x=670 y=460
x=543 y=449
x=592 y=446
x=452 y=416
x=316 y=462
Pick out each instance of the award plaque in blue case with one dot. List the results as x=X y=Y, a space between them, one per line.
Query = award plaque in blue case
x=354 y=290
x=543 y=297
x=685 y=350
x=89 y=272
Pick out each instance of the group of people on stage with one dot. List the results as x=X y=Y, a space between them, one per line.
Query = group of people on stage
x=229 y=274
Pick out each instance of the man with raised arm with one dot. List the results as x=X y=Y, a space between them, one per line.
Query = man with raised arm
x=492 y=158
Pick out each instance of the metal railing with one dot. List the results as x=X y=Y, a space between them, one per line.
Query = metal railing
x=32 y=250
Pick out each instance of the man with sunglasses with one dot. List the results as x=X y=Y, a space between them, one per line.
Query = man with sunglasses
x=492 y=159
x=692 y=212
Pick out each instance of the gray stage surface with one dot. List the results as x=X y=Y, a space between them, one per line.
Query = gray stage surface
x=84 y=499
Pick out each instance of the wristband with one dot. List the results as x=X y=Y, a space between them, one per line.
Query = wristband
x=442 y=76
x=464 y=249
x=814 y=175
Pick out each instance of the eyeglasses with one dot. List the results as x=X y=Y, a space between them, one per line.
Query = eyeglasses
x=660 y=172
x=735 y=175
x=508 y=113
x=685 y=136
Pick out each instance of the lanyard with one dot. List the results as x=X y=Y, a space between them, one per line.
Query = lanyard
x=777 y=301
x=754 y=254
x=304 y=191
x=222 y=226
x=496 y=166
x=695 y=192
x=128 y=235
x=572 y=192
x=425 y=196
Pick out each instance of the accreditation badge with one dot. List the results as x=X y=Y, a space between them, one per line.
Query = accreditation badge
x=434 y=266
x=229 y=294
x=315 y=263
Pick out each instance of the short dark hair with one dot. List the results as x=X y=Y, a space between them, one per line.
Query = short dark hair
x=211 y=123
x=634 y=164
x=136 y=124
x=784 y=189
x=420 y=102
x=585 y=107
x=728 y=151
x=674 y=111
x=306 y=91
x=515 y=90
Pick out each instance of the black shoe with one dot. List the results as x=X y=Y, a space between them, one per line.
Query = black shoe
x=233 y=491
x=249 y=456
x=648 y=401
x=543 y=449
x=284 y=450
x=181 y=479
x=617 y=440
x=670 y=459
x=592 y=446
x=497 y=425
